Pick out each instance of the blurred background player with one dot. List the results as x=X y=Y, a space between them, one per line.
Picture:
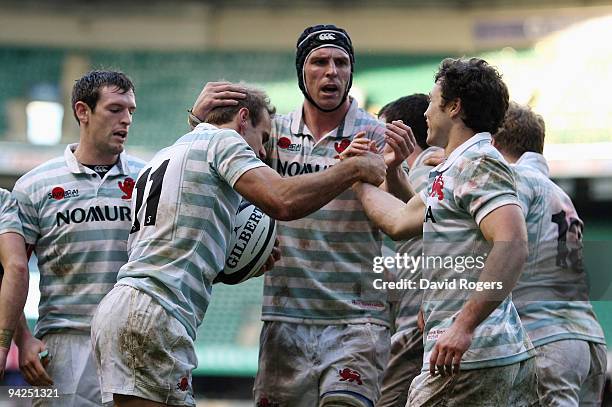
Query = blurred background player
x=76 y=217
x=551 y=296
x=13 y=273
x=319 y=309
x=143 y=331
x=471 y=199
x=406 y=356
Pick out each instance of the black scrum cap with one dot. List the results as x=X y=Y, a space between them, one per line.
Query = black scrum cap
x=319 y=36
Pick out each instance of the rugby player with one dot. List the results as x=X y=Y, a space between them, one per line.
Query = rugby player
x=476 y=351
x=184 y=210
x=76 y=217
x=551 y=296
x=406 y=356
x=13 y=273
x=320 y=310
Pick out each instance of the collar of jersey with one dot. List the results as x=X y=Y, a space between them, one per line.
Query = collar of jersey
x=76 y=167
x=535 y=161
x=344 y=130
x=208 y=126
x=458 y=152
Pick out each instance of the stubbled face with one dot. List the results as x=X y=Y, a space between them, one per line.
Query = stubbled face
x=326 y=75
x=257 y=136
x=438 y=120
x=108 y=124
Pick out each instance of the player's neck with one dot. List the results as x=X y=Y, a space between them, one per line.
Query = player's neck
x=458 y=135
x=87 y=153
x=511 y=159
x=320 y=123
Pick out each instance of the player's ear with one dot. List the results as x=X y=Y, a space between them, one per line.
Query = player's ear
x=454 y=107
x=243 y=115
x=82 y=111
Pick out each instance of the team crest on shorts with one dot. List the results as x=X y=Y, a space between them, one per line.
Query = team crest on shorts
x=349 y=375
x=183 y=384
x=265 y=402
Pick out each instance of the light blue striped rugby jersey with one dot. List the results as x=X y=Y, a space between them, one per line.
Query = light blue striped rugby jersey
x=472 y=182
x=551 y=296
x=79 y=225
x=9 y=214
x=410 y=301
x=185 y=207
x=325 y=273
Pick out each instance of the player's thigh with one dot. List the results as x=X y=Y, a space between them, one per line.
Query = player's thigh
x=142 y=351
x=405 y=362
x=131 y=401
x=72 y=368
x=286 y=375
x=60 y=367
x=488 y=387
x=111 y=315
x=353 y=358
x=562 y=367
x=591 y=392
x=525 y=387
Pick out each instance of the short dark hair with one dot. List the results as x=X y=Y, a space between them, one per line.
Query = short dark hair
x=87 y=88
x=411 y=110
x=479 y=87
x=523 y=130
x=256 y=101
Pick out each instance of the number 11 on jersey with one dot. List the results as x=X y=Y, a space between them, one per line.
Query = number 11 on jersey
x=152 y=201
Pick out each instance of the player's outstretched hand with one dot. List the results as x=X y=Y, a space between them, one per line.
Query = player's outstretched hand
x=274 y=257
x=217 y=94
x=372 y=168
x=446 y=354
x=400 y=143
x=31 y=365
x=359 y=145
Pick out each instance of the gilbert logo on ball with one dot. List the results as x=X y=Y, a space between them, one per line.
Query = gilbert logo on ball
x=251 y=243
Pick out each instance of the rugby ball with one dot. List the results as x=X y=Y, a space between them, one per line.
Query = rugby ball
x=250 y=245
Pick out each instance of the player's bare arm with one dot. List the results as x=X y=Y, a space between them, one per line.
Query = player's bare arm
x=397 y=219
x=32 y=366
x=13 y=289
x=505 y=228
x=295 y=197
